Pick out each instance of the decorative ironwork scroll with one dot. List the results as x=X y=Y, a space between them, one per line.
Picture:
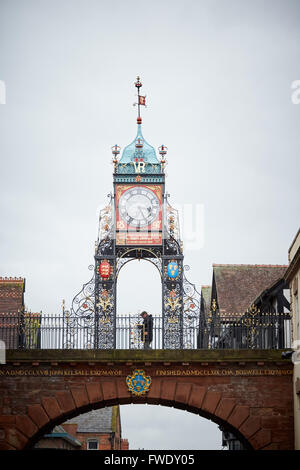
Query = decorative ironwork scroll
x=125 y=255
x=79 y=321
x=136 y=334
x=90 y=322
x=171 y=225
x=191 y=312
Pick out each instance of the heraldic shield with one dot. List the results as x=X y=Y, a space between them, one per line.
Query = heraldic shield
x=173 y=270
x=138 y=383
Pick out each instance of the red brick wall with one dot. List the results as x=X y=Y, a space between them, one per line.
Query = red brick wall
x=104 y=440
x=124 y=444
x=11 y=301
x=70 y=428
x=258 y=408
x=11 y=294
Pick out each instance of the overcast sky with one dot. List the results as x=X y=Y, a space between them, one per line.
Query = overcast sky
x=218 y=77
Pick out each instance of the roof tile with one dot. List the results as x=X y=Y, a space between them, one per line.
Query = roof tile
x=94 y=421
x=238 y=285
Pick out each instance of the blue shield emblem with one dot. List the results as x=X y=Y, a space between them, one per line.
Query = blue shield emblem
x=138 y=383
x=172 y=270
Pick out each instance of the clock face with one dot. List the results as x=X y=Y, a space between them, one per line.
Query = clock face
x=139 y=206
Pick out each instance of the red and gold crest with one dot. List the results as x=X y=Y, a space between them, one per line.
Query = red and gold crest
x=104 y=269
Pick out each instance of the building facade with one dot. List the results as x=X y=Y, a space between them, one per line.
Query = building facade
x=18 y=327
x=293 y=278
x=95 y=430
x=12 y=291
x=246 y=306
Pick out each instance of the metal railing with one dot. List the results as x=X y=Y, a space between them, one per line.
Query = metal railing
x=39 y=331
x=263 y=331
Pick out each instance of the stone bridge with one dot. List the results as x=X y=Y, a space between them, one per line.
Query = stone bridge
x=249 y=392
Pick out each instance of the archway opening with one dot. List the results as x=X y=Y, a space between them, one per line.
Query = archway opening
x=137 y=427
x=159 y=416
x=138 y=289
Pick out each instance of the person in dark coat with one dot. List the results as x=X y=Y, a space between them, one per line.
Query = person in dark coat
x=147 y=329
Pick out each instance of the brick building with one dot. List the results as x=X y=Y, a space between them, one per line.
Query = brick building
x=239 y=290
x=293 y=277
x=235 y=289
x=95 y=430
x=18 y=328
x=11 y=304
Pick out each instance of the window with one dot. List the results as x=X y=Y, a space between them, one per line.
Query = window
x=92 y=444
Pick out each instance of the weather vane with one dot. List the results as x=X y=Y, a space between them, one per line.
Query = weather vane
x=141 y=99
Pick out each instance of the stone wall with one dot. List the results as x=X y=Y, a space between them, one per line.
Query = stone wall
x=248 y=392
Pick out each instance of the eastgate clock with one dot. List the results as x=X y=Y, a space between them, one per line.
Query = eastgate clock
x=138 y=223
x=139 y=214
x=139 y=206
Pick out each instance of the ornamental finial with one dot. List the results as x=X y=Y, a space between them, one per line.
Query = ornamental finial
x=163 y=151
x=138 y=83
x=115 y=151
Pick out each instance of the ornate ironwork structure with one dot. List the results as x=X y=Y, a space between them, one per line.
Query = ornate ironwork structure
x=81 y=316
x=191 y=313
x=137 y=223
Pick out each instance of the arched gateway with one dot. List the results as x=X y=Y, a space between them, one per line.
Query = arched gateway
x=248 y=392
x=71 y=364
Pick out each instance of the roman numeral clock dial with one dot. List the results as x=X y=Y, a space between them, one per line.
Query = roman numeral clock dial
x=139 y=207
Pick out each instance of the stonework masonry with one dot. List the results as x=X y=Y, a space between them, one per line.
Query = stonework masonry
x=248 y=392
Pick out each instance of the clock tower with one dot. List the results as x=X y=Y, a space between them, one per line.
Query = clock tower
x=138 y=223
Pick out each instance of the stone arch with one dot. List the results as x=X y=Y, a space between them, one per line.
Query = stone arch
x=21 y=431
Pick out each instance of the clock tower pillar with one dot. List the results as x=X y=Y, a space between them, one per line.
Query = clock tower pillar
x=143 y=226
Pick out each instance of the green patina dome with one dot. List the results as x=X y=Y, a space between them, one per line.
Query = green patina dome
x=146 y=151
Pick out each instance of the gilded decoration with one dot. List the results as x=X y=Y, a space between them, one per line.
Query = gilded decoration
x=138 y=383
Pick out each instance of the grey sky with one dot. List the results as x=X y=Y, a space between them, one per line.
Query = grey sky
x=218 y=77
x=159 y=427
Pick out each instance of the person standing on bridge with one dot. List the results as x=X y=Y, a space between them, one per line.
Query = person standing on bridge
x=147 y=329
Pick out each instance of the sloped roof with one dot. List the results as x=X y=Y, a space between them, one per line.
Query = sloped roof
x=96 y=421
x=59 y=432
x=238 y=285
x=11 y=294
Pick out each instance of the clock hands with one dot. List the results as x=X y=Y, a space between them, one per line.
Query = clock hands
x=138 y=212
x=138 y=207
x=141 y=211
